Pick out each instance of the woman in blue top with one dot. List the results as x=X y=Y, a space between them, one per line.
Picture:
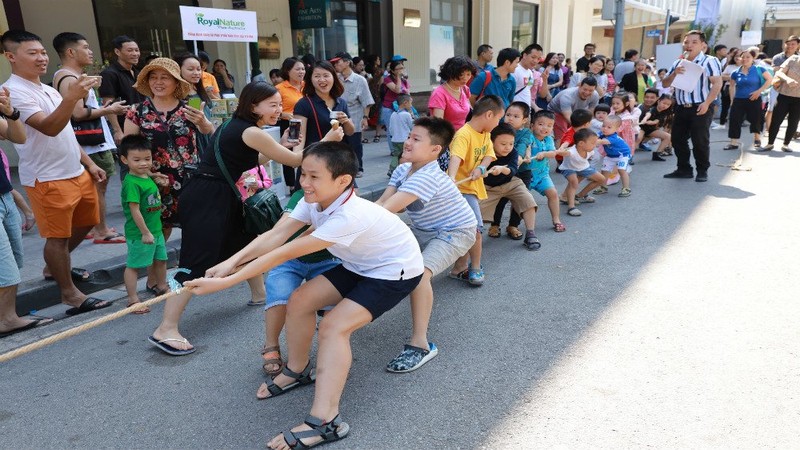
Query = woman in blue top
x=322 y=95
x=746 y=85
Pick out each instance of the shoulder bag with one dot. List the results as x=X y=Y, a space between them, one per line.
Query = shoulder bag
x=88 y=132
x=262 y=210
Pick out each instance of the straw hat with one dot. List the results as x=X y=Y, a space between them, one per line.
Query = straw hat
x=171 y=67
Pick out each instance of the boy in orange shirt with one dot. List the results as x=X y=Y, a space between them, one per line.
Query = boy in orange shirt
x=471 y=152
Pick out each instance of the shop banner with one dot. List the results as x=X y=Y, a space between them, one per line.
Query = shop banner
x=309 y=14
x=211 y=24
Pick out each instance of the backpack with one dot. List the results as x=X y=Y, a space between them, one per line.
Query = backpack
x=485 y=83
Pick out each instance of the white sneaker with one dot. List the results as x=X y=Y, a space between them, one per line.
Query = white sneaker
x=716 y=126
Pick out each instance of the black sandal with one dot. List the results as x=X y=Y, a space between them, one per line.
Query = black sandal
x=531 y=242
x=329 y=432
x=301 y=379
x=731 y=147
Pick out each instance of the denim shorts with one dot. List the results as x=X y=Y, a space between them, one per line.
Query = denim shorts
x=475 y=205
x=585 y=173
x=284 y=279
x=440 y=249
x=10 y=242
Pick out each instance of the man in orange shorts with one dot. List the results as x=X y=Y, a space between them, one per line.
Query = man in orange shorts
x=51 y=164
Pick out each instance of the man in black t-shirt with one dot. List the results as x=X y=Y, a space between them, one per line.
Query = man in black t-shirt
x=583 y=62
x=118 y=80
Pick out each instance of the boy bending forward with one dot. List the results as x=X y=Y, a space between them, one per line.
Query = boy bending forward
x=441 y=220
x=381 y=264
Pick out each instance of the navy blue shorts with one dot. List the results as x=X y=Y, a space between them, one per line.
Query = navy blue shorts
x=377 y=296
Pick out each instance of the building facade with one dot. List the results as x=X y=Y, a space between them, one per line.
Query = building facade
x=424 y=31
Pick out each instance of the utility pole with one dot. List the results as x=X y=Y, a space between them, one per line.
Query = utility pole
x=619 y=27
x=666 y=27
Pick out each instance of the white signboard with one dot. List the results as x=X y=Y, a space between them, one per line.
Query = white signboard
x=751 y=38
x=211 y=24
x=667 y=54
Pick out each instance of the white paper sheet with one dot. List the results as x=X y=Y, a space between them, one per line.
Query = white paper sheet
x=687 y=81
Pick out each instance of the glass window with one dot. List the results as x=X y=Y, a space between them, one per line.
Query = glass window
x=524 y=25
x=448 y=33
x=153 y=24
x=342 y=35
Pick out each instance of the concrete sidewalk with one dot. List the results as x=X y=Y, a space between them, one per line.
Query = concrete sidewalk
x=35 y=293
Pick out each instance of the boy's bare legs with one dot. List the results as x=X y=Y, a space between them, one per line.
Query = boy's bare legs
x=334 y=358
x=274 y=319
x=596 y=180
x=152 y=277
x=301 y=322
x=168 y=328
x=553 y=204
x=569 y=191
x=159 y=270
x=258 y=293
x=472 y=259
x=131 y=277
x=625 y=178
x=529 y=217
x=421 y=308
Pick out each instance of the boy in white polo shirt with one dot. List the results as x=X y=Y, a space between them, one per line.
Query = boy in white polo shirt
x=381 y=264
x=442 y=222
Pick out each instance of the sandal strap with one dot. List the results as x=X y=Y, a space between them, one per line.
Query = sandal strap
x=297 y=376
x=265 y=349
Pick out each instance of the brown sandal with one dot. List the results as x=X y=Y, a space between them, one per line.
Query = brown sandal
x=272 y=356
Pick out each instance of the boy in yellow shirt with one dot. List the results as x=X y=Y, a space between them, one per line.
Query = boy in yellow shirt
x=471 y=152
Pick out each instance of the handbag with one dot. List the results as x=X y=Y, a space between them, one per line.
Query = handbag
x=262 y=210
x=88 y=132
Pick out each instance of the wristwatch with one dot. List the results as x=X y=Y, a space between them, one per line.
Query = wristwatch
x=366 y=117
x=13 y=116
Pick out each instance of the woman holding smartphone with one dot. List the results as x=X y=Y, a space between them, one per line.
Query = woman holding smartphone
x=192 y=72
x=322 y=104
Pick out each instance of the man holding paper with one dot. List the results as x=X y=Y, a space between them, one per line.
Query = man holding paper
x=697 y=82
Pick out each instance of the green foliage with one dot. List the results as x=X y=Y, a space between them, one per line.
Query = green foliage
x=712 y=30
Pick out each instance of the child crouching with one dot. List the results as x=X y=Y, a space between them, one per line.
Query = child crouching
x=501 y=183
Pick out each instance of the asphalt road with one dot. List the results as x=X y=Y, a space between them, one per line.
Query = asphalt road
x=668 y=319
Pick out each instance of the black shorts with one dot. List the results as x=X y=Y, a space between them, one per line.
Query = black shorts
x=377 y=296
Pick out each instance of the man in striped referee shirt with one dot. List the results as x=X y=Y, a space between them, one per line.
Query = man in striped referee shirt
x=694 y=110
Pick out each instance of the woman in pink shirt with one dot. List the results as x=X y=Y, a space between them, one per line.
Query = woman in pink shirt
x=450 y=100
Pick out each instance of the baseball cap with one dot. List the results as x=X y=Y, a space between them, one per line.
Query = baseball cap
x=341 y=55
x=399 y=58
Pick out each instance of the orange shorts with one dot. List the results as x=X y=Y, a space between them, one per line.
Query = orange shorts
x=61 y=205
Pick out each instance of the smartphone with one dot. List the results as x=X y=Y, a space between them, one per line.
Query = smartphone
x=97 y=79
x=196 y=102
x=294 y=130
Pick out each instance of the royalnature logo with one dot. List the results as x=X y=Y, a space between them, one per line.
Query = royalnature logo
x=223 y=24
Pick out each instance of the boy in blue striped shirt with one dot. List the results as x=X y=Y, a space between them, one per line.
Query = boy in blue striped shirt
x=442 y=221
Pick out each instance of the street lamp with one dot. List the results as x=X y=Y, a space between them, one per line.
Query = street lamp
x=769 y=16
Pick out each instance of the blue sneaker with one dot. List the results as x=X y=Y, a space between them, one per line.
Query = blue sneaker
x=412 y=358
x=476 y=276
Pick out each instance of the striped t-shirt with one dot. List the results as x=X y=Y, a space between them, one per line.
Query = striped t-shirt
x=700 y=93
x=440 y=206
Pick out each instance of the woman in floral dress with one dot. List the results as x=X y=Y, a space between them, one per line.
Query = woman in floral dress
x=172 y=127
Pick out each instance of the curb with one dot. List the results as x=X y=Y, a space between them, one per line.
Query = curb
x=39 y=294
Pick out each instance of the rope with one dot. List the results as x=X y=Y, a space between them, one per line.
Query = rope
x=87 y=326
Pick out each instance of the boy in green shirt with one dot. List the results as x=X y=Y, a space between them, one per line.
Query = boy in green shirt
x=141 y=204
